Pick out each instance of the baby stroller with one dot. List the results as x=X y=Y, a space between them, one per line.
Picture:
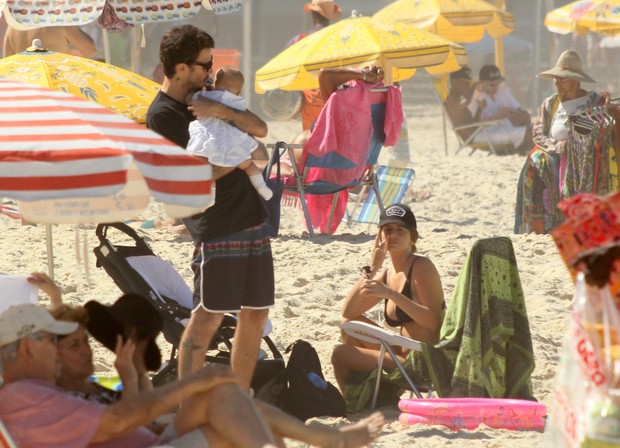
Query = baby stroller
x=135 y=268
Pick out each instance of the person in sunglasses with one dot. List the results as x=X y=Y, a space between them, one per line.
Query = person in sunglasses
x=492 y=100
x=207 y=134
x=232 y=262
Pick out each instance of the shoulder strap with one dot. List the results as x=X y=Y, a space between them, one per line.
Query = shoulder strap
x=555 y=104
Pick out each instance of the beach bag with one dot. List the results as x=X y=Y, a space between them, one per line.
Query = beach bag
x=586 y=408
x=276 y=184
x=307 y=393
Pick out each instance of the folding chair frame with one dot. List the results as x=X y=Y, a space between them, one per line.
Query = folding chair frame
x=303 y=188
x=385 y=339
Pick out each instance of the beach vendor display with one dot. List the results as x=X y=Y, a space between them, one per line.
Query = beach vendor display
x=574 y=150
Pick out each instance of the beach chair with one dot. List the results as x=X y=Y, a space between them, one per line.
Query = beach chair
x=6 y=441
x=135 y=268
x=332 y=173
x=485 y=347
x=479 y=128
x=393 y=183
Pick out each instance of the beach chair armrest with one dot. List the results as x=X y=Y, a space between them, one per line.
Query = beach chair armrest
x=478 y=124
x=376 y=335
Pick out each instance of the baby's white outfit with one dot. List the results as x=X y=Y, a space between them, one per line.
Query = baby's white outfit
x=222 y=143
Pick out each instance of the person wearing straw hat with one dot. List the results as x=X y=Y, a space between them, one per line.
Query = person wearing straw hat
x=323 y=13
x=565 y=160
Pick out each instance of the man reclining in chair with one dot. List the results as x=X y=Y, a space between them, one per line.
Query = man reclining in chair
x=38 y=413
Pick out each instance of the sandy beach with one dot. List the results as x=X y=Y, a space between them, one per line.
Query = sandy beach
x=468 y=197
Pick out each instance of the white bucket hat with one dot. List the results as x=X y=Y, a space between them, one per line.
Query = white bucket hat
x=20 y=321
x=569 y=66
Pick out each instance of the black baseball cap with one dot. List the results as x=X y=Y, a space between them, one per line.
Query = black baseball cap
x=399 y=214
x=463 y=73
x=490 y=73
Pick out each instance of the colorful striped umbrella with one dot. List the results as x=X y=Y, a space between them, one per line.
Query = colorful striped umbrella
x=25 y=14
x=81 y=163
x=357 y=42
x=585 y=16
x=119 y=90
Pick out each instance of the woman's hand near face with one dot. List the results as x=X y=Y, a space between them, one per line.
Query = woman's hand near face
x=379 y=252
x=124 y=362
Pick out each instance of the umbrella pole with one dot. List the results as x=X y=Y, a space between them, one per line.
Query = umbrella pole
x=50 y=250
x=106 y=47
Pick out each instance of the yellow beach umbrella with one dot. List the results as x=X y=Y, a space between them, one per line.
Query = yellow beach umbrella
x=462 y=21
x=355 y=43
x=124 y=92
x=585 y=16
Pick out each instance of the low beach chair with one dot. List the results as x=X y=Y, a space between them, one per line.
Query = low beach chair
x=335 y=170
x=135 y=268
x=393 y=184
x=485 y=347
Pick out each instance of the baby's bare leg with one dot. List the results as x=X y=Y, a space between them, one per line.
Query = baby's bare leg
x=256 y=177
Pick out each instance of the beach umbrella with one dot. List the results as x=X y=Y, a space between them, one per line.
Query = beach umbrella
x=119 y=90
x=355 y=43
x=25 y=14
x=462 y=21
x=68 y=160
x=585 y=16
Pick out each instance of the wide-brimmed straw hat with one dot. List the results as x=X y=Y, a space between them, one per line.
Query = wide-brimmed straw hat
x=328 y=9
x=569 y=66
x=130 y=311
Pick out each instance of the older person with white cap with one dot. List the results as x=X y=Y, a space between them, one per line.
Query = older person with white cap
x=39 y=414
x=565 y=160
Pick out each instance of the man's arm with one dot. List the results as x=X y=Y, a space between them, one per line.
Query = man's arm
x=81 y=41
x=244 y=120
x=127 y=415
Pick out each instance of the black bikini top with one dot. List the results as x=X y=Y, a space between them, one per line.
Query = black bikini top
x=401 y=317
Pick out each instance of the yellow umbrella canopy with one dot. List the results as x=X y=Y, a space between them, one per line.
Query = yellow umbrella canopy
x=124 y=92
x=355 y=43
x=584 y=16
x=462 y=21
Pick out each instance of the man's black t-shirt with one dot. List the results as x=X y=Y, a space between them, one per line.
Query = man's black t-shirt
x=237 y=204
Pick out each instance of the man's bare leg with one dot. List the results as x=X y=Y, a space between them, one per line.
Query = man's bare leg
x=245 y=349
x=230 y=413
x=196 y=339
x=347 y=436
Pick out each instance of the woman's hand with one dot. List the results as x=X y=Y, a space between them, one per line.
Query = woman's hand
x=124 y=361
x=379 y=252
x=374 y=288
x=47 y=285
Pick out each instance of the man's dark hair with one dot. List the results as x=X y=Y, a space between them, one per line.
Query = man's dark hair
x=182 y=44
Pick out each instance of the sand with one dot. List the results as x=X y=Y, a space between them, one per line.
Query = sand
x=457 y=199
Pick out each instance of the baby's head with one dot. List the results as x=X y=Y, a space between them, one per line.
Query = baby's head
x=229 y=78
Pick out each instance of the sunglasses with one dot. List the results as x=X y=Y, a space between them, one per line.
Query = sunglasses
x=205 y=65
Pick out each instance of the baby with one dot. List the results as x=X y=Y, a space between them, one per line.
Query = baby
x=220 y=142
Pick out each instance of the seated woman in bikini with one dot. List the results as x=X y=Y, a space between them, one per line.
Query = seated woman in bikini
x=411 y=289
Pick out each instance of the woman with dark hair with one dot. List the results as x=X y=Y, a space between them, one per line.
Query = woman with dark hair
x=411 y=290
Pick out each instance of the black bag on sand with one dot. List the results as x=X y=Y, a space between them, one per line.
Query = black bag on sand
x=308 y=394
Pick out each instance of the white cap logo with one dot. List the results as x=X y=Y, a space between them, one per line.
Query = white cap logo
x=395 y=211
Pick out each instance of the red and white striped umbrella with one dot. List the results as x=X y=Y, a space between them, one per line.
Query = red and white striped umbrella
x=68 y=160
